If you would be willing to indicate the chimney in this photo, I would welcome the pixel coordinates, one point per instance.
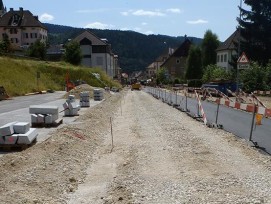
(11, 9)
(21, 9)
(36, 17)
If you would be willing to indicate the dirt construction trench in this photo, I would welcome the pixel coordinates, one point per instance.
(159, 156)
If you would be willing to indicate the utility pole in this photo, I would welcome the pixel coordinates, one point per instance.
(239, 49)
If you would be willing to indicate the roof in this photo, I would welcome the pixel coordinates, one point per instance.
(90, 36)
(181, 51)
(229, 43)
(20, 18)
(152, 65)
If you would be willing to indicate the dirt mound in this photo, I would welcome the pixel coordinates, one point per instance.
(84, 87)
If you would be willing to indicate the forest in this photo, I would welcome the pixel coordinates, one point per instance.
(135, 50)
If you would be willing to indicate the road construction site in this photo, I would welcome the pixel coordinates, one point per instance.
(224, 112)
(133, 148)
(21, 117)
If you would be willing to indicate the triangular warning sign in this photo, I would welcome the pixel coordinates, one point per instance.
(243, 59)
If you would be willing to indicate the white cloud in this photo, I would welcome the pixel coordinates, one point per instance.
(125, 13)
(124, 29)
(99, 25)
(144, 23)
(199, 21)
(174, 10)
(83, 11)
(46, 17)
(92, 10)
(149, 32)
(148, 13)
(137, 29)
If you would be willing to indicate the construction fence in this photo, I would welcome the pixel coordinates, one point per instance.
(244, 116)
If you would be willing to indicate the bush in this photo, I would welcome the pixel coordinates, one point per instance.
(213, 72)
(255, 78)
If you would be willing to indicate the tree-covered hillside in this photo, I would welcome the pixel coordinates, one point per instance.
(135, 50)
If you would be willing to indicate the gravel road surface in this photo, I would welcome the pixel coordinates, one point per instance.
(160, 156)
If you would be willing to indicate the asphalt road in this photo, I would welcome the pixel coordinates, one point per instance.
(17, 109)
(235, 121)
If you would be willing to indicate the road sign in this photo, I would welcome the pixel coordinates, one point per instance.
(243, 66)
(243, 59)
(243, 62)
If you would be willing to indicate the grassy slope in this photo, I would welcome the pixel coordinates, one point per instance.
(19, 76)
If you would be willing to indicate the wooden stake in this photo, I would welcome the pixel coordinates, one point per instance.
(112, 141)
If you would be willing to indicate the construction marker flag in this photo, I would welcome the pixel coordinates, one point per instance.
(259, 118)
(201, 109)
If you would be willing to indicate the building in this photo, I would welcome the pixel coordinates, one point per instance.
(97, 53)
(226, 51)
(21, 27)
(175, 64)
(152, 69)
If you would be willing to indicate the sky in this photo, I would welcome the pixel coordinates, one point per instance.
(166, 17)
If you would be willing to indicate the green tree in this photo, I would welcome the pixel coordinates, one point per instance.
(194, 66)
(161, 76)
(213, 72)
(73, 53)
(255, 25)
(37, 50)
(209, 45)
(268, 75)
(5, 45)
(254, 78)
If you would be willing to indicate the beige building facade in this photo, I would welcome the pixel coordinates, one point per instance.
(22, 28)
(97, 53)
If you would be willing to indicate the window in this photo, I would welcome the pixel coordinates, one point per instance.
(36, 35)
(13, 31)
(25, 35)
(15, 20)
(225, 58)
(217, 58)
(221, 58)
(14, 40)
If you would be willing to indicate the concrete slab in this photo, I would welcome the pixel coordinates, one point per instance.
(71, 97)
(71, 112)
(42, 109)
(84, 94)
(73, 106)
(48, 119)
(21, 127)
(2, 141)
(28, 137)
(7, 129)
(65, 105)
(84, 98)
(84, 104)
(41, 118)
(34, 118)
(12, 139)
